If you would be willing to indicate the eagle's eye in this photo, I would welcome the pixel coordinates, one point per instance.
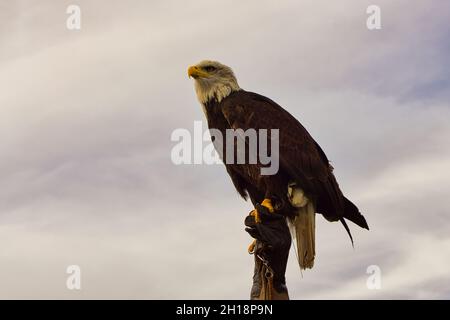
(209, 68)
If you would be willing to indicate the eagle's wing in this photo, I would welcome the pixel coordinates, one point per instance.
(300, 156)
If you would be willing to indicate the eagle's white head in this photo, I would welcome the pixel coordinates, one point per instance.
(213, 80)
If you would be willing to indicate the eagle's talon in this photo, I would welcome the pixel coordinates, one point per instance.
(268, 204)
(251, 247)
(255, 213)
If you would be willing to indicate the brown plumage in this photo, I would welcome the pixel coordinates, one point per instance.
(301, 159)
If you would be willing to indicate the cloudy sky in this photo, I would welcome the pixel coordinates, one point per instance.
(85, 123)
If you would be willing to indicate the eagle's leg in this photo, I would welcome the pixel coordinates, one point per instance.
(265, 203)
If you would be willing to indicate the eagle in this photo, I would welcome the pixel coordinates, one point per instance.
(304, 184)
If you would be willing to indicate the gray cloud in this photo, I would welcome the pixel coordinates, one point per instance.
(85, 124)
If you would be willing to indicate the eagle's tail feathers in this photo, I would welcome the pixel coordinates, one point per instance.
(348, 230)
(351, 212)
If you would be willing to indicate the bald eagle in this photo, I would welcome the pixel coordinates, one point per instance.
(304, 183)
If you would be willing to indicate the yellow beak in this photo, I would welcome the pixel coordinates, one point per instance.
(195, 72)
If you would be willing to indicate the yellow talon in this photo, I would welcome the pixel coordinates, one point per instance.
(268, 204)
(255, 213)
(251, 247)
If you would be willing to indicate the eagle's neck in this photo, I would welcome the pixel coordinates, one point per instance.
(217, 91)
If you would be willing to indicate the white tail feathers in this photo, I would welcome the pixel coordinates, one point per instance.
(303, 226)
